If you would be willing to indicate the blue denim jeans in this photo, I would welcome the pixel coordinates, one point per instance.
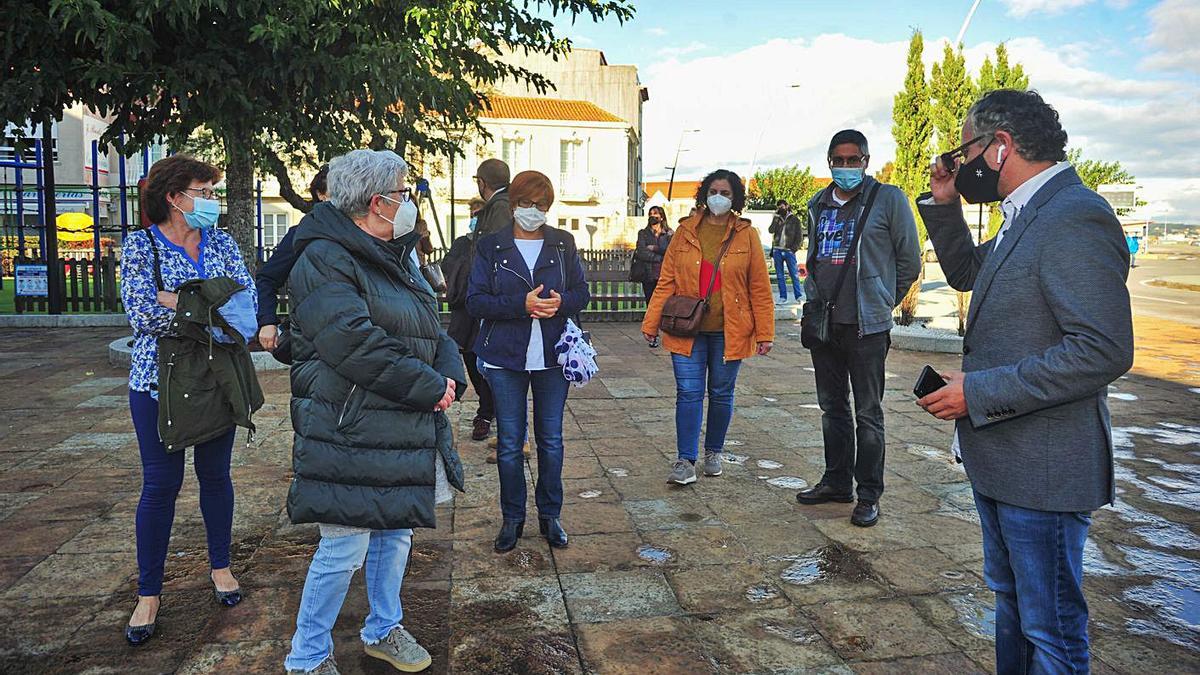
(511, 388)
(782, 256)
(336, 560)
(1033, 561)
(705, 369)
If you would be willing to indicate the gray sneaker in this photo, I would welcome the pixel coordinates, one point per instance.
(327, 667)
(712, 463)
(401, 650)
(683, 472)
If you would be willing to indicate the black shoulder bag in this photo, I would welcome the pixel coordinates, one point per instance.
(816, 320)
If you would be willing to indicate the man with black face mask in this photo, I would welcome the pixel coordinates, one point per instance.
(1049, 328)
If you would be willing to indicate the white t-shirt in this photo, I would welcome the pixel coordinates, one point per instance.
(535, 358)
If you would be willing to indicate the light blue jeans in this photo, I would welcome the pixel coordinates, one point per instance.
(329, 574)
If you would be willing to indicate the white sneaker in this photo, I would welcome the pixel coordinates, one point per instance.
(781, 301)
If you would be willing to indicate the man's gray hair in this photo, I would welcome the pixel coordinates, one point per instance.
(1033, 123)
(359, 175)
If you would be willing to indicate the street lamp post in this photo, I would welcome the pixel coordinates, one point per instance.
(675, 164)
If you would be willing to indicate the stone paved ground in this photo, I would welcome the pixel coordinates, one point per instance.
(729, 575)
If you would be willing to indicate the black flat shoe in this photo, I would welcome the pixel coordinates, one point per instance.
(821, 493)
(510, 532)
(226, 598)
(552, 530)
(865, 514)
(139, 635)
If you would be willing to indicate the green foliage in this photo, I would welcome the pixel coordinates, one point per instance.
(1095, 173)
(911, 124)
(287, 82)
(952, 93)
(792, 183)
(1000, 75)
(884, 175)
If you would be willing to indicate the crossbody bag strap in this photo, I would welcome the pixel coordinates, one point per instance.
(157, 265)
(858, 230)
(712, 282)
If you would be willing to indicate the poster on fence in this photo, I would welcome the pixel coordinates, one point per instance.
(31, 281)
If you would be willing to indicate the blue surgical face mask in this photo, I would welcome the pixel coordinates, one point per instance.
(474, 223)
(848, 179)
(204, 213)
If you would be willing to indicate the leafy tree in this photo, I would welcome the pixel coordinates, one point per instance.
(884, 175)
(1095, 173)
(284, 83)
(791, 183)
(952, 93)
(912, 128)
(1000, 75)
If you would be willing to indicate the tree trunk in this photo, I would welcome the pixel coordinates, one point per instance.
(908, 306)
(240, 216)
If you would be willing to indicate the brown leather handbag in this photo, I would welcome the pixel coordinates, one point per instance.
(681, 314)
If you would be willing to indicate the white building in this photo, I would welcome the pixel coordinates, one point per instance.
(584, 150)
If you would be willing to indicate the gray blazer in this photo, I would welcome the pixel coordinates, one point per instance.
(1049, 328)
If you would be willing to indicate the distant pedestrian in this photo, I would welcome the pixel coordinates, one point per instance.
(181, 245)
(1135, 245)
(652, 243)
(863, 256)
(786, 237)
(715, 256)
(463, 328)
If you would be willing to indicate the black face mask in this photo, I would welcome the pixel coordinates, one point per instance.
(654, 220)
(977, 182)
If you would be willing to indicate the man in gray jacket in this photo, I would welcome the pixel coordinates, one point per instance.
(886, 262)
(1049, 328)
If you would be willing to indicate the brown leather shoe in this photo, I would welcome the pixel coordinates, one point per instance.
(491, 459)
(482, 429)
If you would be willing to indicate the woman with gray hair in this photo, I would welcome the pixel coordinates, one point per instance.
(372, 376)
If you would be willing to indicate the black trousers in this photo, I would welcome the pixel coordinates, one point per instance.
(487, 405)
(852, 364)
(648, 288)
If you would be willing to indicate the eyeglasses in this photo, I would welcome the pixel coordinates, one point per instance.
(949, 160)
(206, 193)
(847, 162)
(527, 203)
(405, 194)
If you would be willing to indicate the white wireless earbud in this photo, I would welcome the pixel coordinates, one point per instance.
(1000, 151)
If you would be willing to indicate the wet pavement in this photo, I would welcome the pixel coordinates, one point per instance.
(728, 575)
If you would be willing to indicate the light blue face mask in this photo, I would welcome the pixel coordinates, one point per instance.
(848, 179)
(474, 223)
(204, 213)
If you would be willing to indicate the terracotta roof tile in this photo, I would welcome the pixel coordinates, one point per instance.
(528, 108)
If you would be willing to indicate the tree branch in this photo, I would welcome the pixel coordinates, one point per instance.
(286, 189)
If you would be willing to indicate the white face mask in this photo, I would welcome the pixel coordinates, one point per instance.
(405, 220)
(719, 204)
(529, 218)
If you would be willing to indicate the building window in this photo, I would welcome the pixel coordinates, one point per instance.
(508, 152)
(275, 226)
(568, 159)
(575, 224)
(30, 133)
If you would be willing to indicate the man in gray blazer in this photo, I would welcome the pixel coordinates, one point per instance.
(1049, 328)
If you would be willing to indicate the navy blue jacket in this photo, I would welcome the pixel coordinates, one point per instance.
(500, 280)
(272, 276)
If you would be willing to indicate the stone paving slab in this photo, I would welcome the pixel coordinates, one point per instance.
(729, 575)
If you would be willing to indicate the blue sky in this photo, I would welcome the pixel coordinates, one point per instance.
(1124, 74)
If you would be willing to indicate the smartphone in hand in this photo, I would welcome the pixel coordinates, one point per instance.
(928, 382)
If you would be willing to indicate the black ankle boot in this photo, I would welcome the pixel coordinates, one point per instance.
(510, 532)
(553, 532)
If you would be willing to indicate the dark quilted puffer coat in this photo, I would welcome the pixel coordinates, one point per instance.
(370, 362)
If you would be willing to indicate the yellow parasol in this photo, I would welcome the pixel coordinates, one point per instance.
(74, 226)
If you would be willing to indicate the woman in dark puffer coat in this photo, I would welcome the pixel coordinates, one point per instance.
(372, 375)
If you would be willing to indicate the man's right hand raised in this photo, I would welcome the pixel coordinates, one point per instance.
(941, 184)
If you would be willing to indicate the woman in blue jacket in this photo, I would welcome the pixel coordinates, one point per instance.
(525, 283)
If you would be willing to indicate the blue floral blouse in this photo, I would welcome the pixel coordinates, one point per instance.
(219, 257)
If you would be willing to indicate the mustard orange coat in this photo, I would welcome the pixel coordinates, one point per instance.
(745, 288)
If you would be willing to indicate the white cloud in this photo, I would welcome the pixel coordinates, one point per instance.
(656, 31)
(1175, 25)
(1021, 8)
(738, 98)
